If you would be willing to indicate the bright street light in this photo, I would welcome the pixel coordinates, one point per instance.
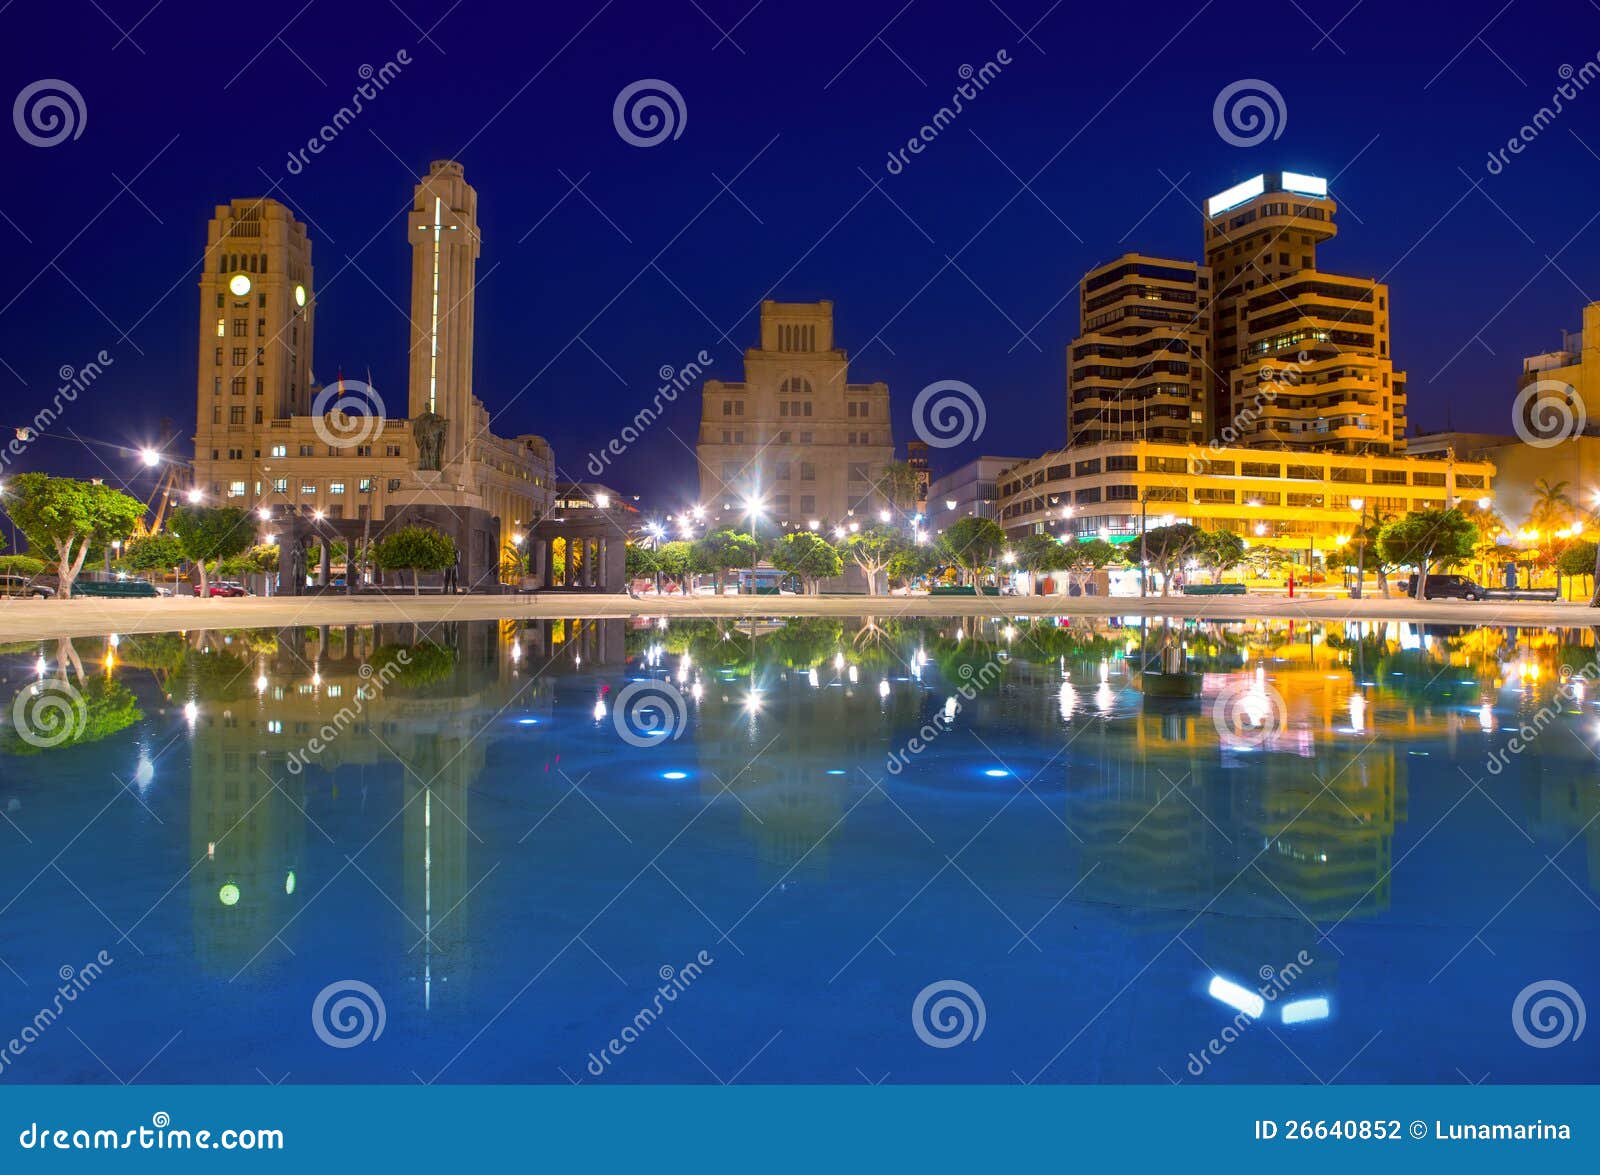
(194, 495)
(150, 457)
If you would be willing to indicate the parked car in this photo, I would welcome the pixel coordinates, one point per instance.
(1446, 587)
(224, 587)
(21, 585)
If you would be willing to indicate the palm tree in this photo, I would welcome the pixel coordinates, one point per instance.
(1552, 506)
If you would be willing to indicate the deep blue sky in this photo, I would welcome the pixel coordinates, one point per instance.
(1099, 109)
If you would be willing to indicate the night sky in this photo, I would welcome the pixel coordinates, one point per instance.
(949, 270)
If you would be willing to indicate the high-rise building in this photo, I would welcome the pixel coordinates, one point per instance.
(1302, 356)
(795, 437)
(1141, 369)
(340, 462)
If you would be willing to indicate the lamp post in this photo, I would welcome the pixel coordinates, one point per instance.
(1359, 505)
(1144, 570)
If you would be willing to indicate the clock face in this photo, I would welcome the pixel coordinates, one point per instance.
(239, 284)
(299, 295)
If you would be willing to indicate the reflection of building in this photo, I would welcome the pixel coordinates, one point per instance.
(1141, 369)
(263, 434)
(794, 434)
(1274, 498)
(417, 725)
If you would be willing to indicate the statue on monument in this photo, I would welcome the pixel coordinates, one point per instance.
(429, 431)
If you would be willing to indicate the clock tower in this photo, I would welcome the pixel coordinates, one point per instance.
(255, 333)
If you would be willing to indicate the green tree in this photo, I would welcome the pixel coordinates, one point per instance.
(809, 556)
(210, 534)
(25, 565)
(872, 549)
(64, 517)
(974, 545)
(1086, 558)
(1426, 539)
(415, 549)
(726, 550)
(151, 553)
(676, 561)
(640, 561)
(899, 484)
(913, 561)
(1220, 551)
(1576, 559)
(1041, 554)
(1167, 548)
(261, 559)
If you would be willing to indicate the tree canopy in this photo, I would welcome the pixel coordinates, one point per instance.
(210, 534)
(1426, 539)
(809, 556)
(415, 549)
(724, 550)
(872, 549)
(973, 544)
(64, 517)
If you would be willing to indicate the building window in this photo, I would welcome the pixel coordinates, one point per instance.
(216, 385)
(808, 471)
(261, 327)
(805, 438)
(308, 489)
(280, 485)
(218, 358)
(279, 450)
(219, 302)
(236, 414)
(306, 450)
(808, 504)
(364, 485)
(237, 386)
(781, 471)
(261, 385)
(363, 450)
(394, 484)
(239, 356)
(216, 414)
(239, 327)
(391, 450)
(221, 329)
(236, 489)
(336, 487)
(858, 471)
(795, 385)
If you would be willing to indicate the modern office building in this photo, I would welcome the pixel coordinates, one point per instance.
(1141, 369)
(1296, 501)
(267, 438)
(795, 439)
(972, 491)
(1302, 356)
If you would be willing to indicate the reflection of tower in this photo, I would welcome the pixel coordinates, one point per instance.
(444, 257)
(249, 843)
(436, 851)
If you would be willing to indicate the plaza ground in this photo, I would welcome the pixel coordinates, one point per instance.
(26, 619)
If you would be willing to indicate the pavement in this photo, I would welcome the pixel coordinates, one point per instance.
(27, 619)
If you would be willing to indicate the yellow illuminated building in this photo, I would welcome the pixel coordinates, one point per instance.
(1288, 500)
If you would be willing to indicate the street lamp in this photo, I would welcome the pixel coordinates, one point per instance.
(150, 457)
(1359, 505)
(194, 495)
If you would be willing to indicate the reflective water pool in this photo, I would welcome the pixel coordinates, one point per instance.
(623, 851)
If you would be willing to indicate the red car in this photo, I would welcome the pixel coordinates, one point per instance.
(223, 587)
